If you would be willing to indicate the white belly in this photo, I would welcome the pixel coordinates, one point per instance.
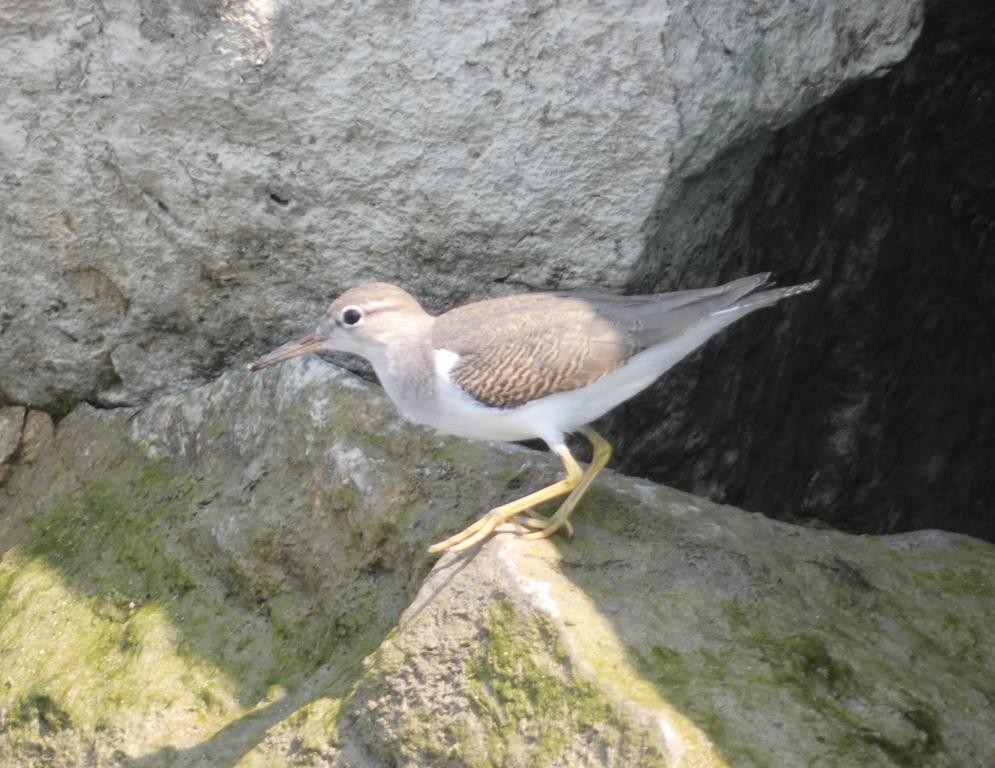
(452, 411)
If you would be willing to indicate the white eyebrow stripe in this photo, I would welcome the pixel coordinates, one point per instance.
(373, 306)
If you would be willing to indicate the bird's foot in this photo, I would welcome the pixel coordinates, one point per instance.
(549, 527)
(544, 526)
(475, 532)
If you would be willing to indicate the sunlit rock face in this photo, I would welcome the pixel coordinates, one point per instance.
(237, 575)
(868, 405)
(185, 184)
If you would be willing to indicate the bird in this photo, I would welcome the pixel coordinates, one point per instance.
(539, 365)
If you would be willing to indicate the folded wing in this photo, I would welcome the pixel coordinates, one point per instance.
(520, 348)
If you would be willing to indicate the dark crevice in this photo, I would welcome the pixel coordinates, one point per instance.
(870, 404)
(279, 199)
(103, 405)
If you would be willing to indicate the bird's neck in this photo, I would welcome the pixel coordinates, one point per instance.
(405, 364)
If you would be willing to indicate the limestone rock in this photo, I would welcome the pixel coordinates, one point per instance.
(735, 640)
(185, 183)
(236, 575)
(37, 434)
(11, 423)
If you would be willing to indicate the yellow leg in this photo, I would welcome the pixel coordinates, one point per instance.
(602, 452)
(486, 525)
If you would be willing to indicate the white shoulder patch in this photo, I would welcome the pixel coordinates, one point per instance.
(445, 361)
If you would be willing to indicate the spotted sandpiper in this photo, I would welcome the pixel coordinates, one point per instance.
(536, 365)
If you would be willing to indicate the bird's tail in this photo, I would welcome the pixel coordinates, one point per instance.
(764, 296)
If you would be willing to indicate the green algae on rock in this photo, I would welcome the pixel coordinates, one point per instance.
(190, 585)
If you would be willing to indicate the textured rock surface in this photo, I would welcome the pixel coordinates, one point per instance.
(868, 405)
(11, 424)
(785, 646)
(176, 570)
(183, 183)
(218, 579)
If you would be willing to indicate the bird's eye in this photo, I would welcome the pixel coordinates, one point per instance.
(351, 315)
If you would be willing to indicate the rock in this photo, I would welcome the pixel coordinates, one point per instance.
(11, 423)
(186, 184)
(209, 563)
(867, 405)
(37, 434)
(502, 660)
(236, 575)
(733, 639)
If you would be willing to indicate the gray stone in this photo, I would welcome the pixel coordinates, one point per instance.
(236, 575)
(38, 432)
(185, 184)
(11, 423)
(735, 640)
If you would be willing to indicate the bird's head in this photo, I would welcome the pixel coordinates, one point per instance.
(364, 320)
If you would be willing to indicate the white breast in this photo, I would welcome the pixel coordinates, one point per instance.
(548, 418)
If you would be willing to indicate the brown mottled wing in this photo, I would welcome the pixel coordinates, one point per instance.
(520, 348)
